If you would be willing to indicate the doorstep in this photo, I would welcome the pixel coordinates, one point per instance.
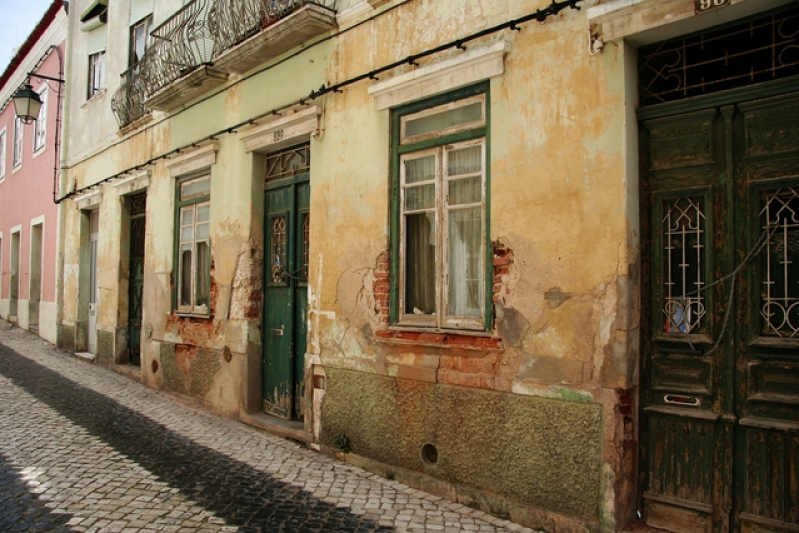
(85, 356)
(292, 429)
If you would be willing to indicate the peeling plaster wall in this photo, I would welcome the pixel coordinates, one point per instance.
(210, 358)
(564, 225)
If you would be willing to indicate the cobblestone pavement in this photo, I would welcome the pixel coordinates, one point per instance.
(84, 449)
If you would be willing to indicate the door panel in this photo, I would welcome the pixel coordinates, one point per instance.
(94, 225)
(138, 207)
(720, 361)
(285, 296)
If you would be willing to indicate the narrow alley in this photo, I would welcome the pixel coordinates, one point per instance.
(85, 449)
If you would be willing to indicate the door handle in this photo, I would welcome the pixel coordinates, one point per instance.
(278, 332)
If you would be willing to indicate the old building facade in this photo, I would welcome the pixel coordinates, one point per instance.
(483, 247)
(29, 174)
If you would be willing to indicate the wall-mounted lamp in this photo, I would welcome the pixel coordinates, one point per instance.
(27, 103)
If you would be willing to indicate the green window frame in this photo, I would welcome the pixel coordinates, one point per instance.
(440, 268)
(193, 245)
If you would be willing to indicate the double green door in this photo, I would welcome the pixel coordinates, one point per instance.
(287, 223)
(720, 318)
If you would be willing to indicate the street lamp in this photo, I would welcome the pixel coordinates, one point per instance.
(27, 103)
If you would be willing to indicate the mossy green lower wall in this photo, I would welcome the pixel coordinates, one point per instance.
(537, 451)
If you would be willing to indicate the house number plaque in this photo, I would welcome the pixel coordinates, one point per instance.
(700, 6)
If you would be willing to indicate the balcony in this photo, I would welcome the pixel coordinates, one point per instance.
(128, 102)
(198, 47)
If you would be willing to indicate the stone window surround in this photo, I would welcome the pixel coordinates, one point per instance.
(283, 131)
(472, 66)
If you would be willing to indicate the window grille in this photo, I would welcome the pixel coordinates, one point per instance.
(780, 269)
(683, 261)
(762, 49)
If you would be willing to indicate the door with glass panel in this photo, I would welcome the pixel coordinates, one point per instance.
(94, 234)
(720, 350)
(286, 245)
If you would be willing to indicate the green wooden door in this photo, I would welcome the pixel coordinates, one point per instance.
(720, 316)
(285, 295)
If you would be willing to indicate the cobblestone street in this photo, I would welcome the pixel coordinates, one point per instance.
(84, 449)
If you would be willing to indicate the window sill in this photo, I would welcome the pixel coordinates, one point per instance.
(39, 151)
(185, 314)
(93, 98)
(477, 341)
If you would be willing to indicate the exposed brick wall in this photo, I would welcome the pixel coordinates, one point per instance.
(382, 287)
(503, 258)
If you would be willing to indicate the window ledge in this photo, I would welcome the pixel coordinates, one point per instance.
(472, 341)
(93, 98)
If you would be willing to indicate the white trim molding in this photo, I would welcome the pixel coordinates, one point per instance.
(133, 183)
(281, 132)
(465, 69)
(197, 159)
(90, 199)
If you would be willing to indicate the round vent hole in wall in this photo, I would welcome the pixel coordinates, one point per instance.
(429, 454)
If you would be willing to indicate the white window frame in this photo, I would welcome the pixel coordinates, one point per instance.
(40, 124)
(192, 204)
(3, 153)
(96, 72)
(441, 208)
(18, 142)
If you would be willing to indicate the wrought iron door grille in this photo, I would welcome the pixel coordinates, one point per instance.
(683, 260)
(291, 161)
(762, 49)
(278, 249)
(306, 244)
(780, 296)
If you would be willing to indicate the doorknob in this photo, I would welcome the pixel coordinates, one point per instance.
(278, 331)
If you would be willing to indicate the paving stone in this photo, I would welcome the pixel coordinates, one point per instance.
(85, 449)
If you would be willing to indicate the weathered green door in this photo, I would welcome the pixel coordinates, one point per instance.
(285, 294)
(720, 319)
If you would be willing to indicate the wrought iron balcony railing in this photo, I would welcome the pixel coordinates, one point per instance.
(233, 21)
(196, 35)
(179, 45)
(128, 102)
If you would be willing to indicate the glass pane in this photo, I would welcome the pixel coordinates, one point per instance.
(198, 187)
(465, 264)
(420, 264)
(203, 212)
(683, 261)
(187, 234)
(187, 216)
(447, 118)
(465, 160)
(422, 197)
(465, 191)
(202, 231)
(203, 278)
(185, 278)
(780, 264)
(421, 169)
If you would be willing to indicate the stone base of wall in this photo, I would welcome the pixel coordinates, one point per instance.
(493, 504)
(542, 453)
(66, 337)
(105, 347)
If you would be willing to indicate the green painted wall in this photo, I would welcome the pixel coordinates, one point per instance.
(542, 452)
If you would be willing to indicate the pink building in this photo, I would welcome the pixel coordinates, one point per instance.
(29, 168)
